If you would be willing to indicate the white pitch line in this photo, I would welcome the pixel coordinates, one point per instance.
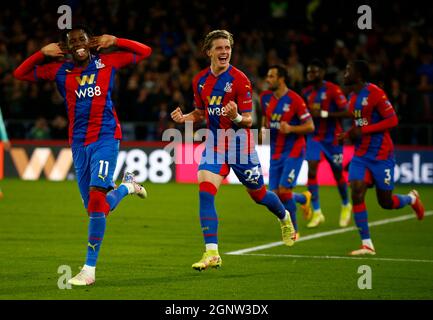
(335, 257)
(327, 233)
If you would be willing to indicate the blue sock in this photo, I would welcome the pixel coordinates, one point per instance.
(361, 220)
(400, 201)
(314, 189)
(208, 215)
(289, 203)
(115, 196)
(299, 198)
(342, 188)
(270, 200)
(97, 223)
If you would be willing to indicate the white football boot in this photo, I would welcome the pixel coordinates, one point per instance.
(133, 186)
(85, 277)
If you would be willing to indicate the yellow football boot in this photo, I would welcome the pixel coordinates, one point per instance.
(210, 259)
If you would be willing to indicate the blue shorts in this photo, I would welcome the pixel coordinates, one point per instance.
(379, 172)
(94, 166)
(333, 153)
(249, 171)
(284, 172)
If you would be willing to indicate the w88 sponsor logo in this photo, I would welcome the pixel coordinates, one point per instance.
(275, 125)
(154, 166)
(89, 92)
(87, 79)
(217, 111)
(361, 122)
(55, 163)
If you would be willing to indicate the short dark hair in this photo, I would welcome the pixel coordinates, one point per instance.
(362, 67)
(317, 63)
(64, 35)
(281, 71)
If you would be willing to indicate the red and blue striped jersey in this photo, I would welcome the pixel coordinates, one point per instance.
(370, 106)
(211, 94)
(292, 109)
(87, 91)
(328, 98)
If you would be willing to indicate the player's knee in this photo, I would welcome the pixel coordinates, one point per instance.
(103, 190)
(98, 202)
(312, 175)
(357, 195)
(312, 172)
(208, 187)
(385, 203)
(285, 194)
(258, 195)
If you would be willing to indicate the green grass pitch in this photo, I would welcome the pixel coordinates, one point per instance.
(150, 244)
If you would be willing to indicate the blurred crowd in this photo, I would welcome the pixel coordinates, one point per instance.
(399, 48)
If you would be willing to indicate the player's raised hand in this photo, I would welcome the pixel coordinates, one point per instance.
(231, 110)
(102, 42)
(285, 127)
(53, 50)
(177, 116)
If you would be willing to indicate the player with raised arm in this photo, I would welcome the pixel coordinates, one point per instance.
(328, 106)
(223, 95)
(286, 115)
(86, 83)
(373, 162)
(4, 140)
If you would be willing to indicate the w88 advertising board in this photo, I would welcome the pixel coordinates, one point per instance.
(154, 162)
(52, 160)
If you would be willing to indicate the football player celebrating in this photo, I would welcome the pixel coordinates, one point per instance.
(373, 162)
(86, 83)
(223, 94)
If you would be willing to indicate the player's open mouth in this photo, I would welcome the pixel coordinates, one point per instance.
(81, 52)
(223, 59)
